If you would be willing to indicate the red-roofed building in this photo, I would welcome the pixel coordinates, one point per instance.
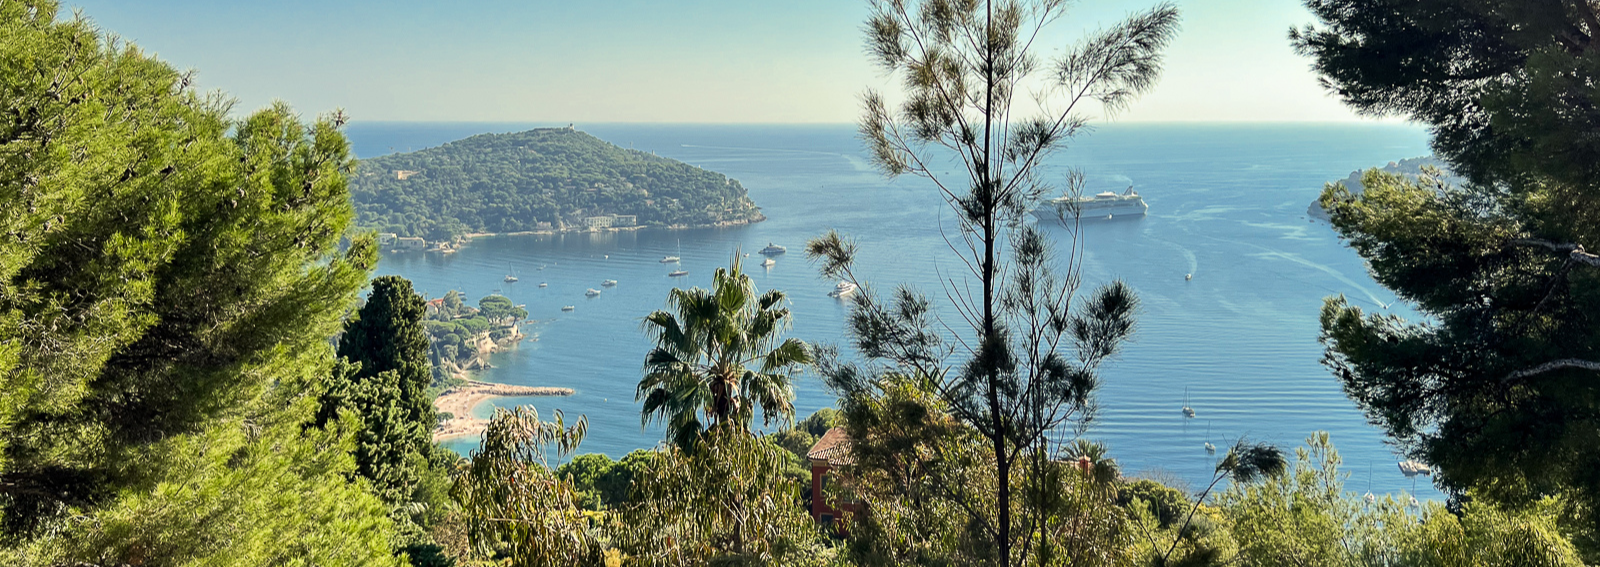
(831, 451)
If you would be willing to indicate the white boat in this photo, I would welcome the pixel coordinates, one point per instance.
(773, 250)
(609, 283)
(769, 262)
(511, 279)
(1100, 206)
(670, 260)
(844, 288)
(592, 292)
(568, 308)
(544, 284)
(678, 273)
(1413, 468)
(1187, 411)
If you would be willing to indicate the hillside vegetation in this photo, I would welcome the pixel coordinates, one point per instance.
(515, 182)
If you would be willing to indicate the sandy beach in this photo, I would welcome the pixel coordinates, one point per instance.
(460, 401)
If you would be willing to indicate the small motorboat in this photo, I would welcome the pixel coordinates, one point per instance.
(769, 262)
(544, 284)
(568, 308)
(609, 283)
(1413, 468)
(592, 292)
(670, 260)
(678, 273)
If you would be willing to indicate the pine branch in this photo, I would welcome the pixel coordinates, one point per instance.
(1550, 366)
(1574, 251)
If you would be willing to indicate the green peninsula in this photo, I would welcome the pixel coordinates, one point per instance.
(546, 179)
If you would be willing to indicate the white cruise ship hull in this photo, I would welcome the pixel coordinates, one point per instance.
(1092, 211)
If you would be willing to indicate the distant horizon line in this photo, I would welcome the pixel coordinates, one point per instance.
(579, 124)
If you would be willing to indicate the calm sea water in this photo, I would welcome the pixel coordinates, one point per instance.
(1227, 204)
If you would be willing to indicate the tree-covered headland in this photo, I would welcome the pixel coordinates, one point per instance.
(461, 337)
(548, 179)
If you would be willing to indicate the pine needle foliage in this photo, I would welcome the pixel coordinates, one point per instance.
(1496, 386)
(169, 277)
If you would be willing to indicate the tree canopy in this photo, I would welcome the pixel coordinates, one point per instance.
(1497, 387)
(169, 277)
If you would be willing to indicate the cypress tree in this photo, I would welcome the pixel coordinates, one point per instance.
(384, 380)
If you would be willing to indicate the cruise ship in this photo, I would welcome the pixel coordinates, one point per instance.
(1101, 206)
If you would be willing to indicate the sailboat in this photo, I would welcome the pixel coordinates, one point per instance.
(674, 259)
(1369, 497)
(511, 277)
(1188, 412)
(1210, 449)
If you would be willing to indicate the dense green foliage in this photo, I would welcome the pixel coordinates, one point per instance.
(385, 382)
(1307, 518)
(720, 353)
(515, 506)
(168, 282)
(512, 182)
(1497, 387)
(604, 482)
(726, 501)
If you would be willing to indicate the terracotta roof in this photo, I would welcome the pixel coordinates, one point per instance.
(833, 447)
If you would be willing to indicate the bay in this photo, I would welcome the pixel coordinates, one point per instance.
(1227, 205)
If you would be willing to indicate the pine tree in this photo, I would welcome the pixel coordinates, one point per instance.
(1497, 387)
(964, 64)
(169, 277)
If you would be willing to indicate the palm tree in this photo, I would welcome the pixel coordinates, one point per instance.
(720, 352)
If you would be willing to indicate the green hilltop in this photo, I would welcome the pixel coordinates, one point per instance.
(546, 179)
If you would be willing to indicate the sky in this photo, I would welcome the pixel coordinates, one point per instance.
(641, 61)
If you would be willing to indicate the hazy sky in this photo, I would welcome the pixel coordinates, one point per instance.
(653, 61)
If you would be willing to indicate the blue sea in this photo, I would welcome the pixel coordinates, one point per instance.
(1227, 205)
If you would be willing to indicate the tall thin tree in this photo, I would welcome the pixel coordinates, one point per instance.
(964, 65)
